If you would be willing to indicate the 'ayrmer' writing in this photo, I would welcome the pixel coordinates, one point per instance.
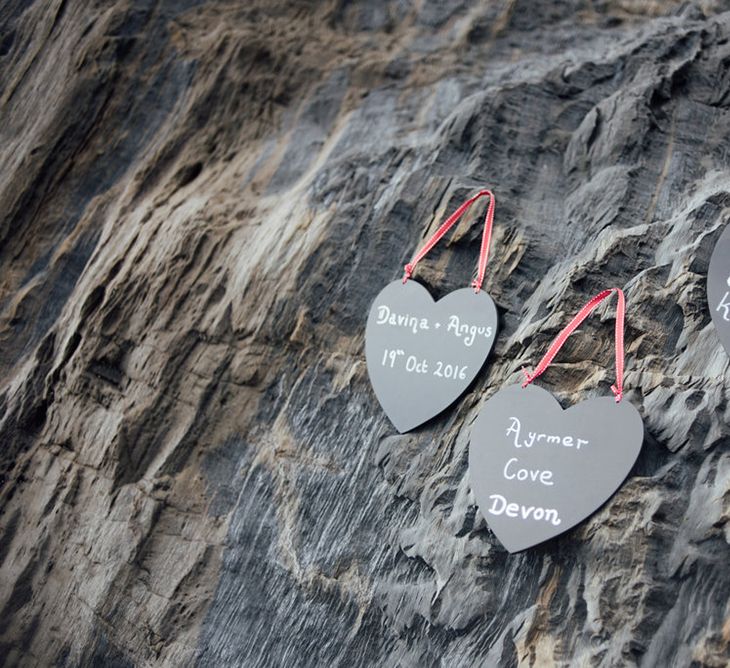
(535, 438)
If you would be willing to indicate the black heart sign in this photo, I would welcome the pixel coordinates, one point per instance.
(421, 355)
(537, 470)
(718, 288)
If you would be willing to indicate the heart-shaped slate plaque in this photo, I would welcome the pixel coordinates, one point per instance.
(537, 470)
(422, 355)
(718, 288)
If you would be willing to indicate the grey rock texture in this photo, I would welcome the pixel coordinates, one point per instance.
(198, 202)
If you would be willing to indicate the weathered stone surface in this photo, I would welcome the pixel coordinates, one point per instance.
(199, 201)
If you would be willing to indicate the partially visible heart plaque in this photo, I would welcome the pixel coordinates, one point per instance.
(422, 355)
(718, 288)
(537, 470)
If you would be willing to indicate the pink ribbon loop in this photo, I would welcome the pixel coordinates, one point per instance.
(561, 338)
(446, 226)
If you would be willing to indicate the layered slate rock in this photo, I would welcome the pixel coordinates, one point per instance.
(200, 201)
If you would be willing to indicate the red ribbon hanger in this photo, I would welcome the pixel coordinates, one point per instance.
(561, 338)
(446, 226)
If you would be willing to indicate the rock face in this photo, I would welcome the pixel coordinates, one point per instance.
(200, 201)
